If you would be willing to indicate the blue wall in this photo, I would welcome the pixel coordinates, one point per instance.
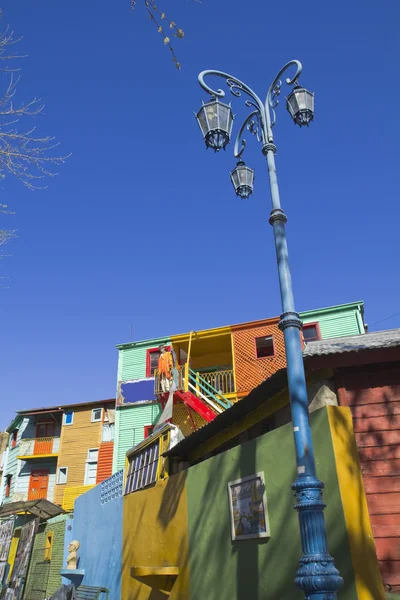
(97, 526)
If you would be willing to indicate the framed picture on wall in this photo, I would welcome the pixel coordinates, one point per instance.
(248, 508)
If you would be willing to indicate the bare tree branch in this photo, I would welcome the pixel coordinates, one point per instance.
(25, 155)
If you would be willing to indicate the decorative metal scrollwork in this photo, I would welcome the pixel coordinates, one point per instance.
(263, 117)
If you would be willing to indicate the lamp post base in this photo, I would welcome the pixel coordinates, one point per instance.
(317, 575)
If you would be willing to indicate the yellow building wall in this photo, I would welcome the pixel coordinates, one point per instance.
(75, 441)
(13, 550)
(155, 535)
(361, 540)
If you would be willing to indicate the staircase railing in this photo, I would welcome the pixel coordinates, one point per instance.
(187, 380)
(205, 390)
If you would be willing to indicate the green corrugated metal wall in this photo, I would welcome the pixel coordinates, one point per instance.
(132, 361)
(129, 429)
(337, 323)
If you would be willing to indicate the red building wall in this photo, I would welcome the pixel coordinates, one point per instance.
(104, 465)
(373, 394)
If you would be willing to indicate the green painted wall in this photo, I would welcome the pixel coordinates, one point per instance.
(337, 321)
(44, 576)
(132, 358)
(129, 429)
(258, 569)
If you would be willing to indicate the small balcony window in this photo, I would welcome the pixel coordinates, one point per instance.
(311, 332)
(265, 346)
(45, 430)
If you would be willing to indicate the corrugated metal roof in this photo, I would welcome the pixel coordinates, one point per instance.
(356, 343)
(40, 508)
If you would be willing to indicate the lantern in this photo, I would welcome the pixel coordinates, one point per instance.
(300, 104)
(242, 178)
(215, 120)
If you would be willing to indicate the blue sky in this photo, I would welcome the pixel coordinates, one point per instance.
(142, 227)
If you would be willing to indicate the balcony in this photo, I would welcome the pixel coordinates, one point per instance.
(222, 381)
(46, 447)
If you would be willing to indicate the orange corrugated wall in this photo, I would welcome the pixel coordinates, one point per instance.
(104, 465)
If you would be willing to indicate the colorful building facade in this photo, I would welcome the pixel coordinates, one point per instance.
(217, 368)
(57, 453)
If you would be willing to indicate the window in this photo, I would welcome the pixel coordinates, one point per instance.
(62, 475)
(147, 465)
(265, 346)
(148, 430)
(152, 360)
(97, 415)
(48, 547)
(68, 418)
(143, 468)
(8, 486)
(108, 432)
(14, 438)
(45, 430)
(311, 332)
(91, 466)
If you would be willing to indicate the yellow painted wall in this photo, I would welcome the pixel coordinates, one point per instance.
(361, 541)
(155, 535)
(13, 549)
(76, 440)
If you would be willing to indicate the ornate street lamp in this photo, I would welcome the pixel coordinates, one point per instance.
(316, 575)
(300, 104)
(215, 120)
(242, 178)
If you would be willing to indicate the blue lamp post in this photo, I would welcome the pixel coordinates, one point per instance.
(316, 574)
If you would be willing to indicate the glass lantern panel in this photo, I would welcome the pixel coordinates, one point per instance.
(243, 175)
(301, 96)
(202, 120)
(292, 104)
(310, 101)
(223, 114)
(212, 115)
(235, 178)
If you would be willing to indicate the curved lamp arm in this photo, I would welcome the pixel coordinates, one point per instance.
(251, 124)
(272, 101)
(265, 112)
(236, 88)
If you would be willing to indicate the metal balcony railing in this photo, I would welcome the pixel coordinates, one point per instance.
(222, 381)
(179, 382)
(39, 446)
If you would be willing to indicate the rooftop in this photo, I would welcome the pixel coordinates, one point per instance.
(303, 314)
(278, 381)
(354, 343)
(58, 408)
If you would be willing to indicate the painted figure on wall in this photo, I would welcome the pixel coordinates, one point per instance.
(165, 366)
(72, 557)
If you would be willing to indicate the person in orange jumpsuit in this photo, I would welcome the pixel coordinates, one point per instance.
(165, 365)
